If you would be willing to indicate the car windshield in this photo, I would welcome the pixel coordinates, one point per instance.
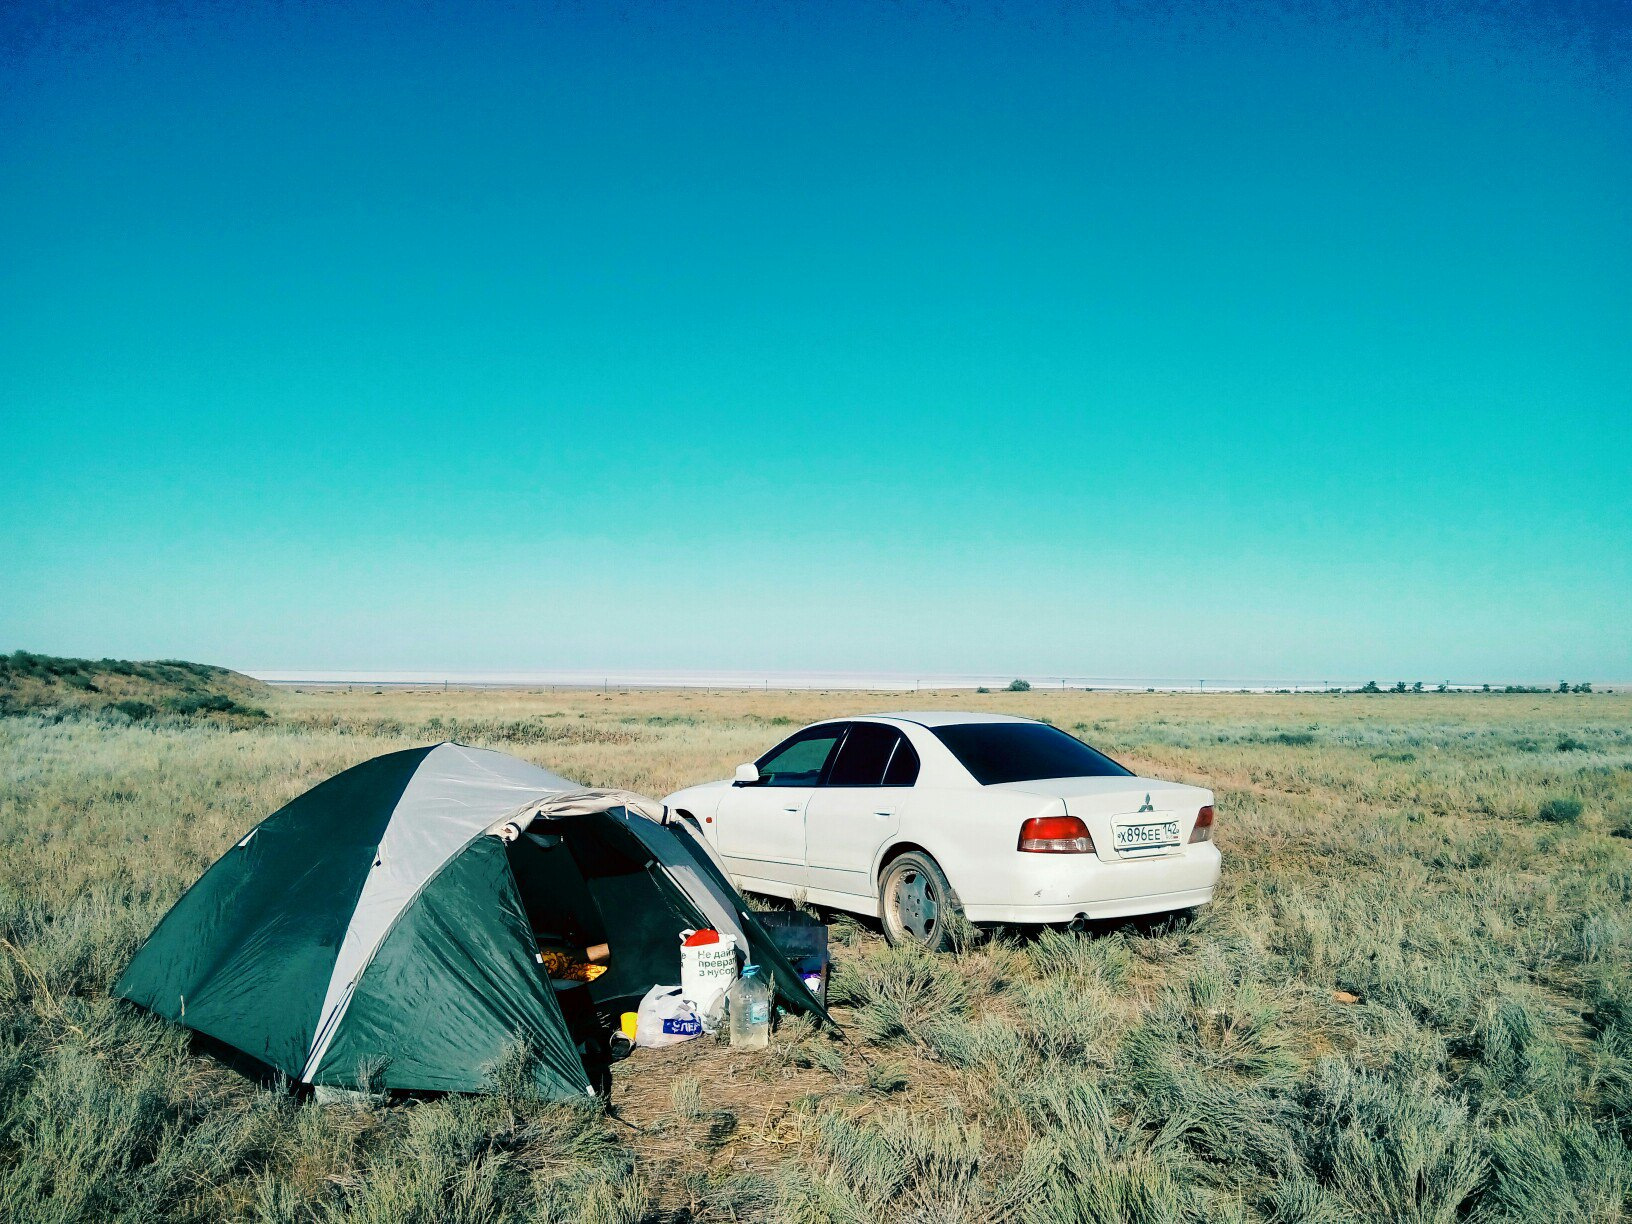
(1023, 752)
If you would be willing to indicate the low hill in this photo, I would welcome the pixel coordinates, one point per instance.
(137, 689)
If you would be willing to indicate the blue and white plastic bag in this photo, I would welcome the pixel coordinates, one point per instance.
(665, 1018)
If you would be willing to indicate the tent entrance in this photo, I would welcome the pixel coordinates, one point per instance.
(582, 881)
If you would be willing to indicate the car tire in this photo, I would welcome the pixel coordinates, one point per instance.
(916, 901)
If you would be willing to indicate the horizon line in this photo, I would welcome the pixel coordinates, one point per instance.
(848, 681)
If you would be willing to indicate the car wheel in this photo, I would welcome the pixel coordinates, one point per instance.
(915, 902)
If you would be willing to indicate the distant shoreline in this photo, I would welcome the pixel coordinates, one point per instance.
(804, 681)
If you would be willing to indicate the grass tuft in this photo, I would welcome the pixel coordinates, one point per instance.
(1561, 810)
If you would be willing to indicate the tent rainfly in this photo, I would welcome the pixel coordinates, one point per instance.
(385, 928)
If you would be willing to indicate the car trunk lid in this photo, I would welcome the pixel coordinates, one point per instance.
(1128, 818)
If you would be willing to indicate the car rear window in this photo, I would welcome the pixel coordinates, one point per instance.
(1024, 752)
(903, 770)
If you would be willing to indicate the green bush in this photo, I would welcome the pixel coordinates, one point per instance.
(136, 711)
(1561, 810)
(1394, 1150)
(1019, 686)
(210, 703)
(898, 992)
(201, 703)
(1547, 1168)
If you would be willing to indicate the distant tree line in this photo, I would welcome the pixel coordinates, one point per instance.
(1400, 686)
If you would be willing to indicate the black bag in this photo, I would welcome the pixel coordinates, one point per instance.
(803, 940)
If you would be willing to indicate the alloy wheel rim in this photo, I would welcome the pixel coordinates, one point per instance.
(913, 904)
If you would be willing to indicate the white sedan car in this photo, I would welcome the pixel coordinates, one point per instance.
(905, 817)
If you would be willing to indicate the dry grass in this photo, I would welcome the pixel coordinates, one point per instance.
(1392, 848)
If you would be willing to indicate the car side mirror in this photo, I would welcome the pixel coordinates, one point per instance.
(747, 775)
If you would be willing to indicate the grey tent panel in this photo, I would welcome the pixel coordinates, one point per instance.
(456, 793)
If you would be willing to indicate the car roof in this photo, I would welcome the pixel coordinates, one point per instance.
(947, 718)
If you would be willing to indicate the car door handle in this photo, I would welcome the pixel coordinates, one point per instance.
(883, 811)
(794, 808)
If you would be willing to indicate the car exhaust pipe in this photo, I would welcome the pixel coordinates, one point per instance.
(1078, 924)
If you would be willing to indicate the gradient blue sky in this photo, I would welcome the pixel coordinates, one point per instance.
(896, 337)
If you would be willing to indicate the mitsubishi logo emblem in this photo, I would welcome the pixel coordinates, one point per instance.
(1147, 807)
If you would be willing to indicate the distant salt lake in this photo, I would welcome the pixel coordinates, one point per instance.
(775, 681)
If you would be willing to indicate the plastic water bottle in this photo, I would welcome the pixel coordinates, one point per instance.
(750, 997)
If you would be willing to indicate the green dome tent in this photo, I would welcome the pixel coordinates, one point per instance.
(386, 927)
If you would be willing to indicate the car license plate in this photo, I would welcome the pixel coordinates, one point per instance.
(1146, 836)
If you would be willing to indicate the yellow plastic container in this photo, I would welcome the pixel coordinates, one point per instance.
(627, 1023)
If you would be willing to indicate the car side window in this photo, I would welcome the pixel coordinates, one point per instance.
(903, 767)
(864, 755)
(799, 760)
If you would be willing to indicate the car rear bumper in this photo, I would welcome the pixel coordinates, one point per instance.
(1060, 887)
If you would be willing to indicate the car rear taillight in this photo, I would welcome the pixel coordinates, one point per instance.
(1055, 835)
(1204, 825)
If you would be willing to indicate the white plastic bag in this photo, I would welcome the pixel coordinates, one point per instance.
(666, 1018)
(707, 969)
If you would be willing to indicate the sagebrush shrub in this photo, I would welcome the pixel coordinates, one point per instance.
(1560, 810)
